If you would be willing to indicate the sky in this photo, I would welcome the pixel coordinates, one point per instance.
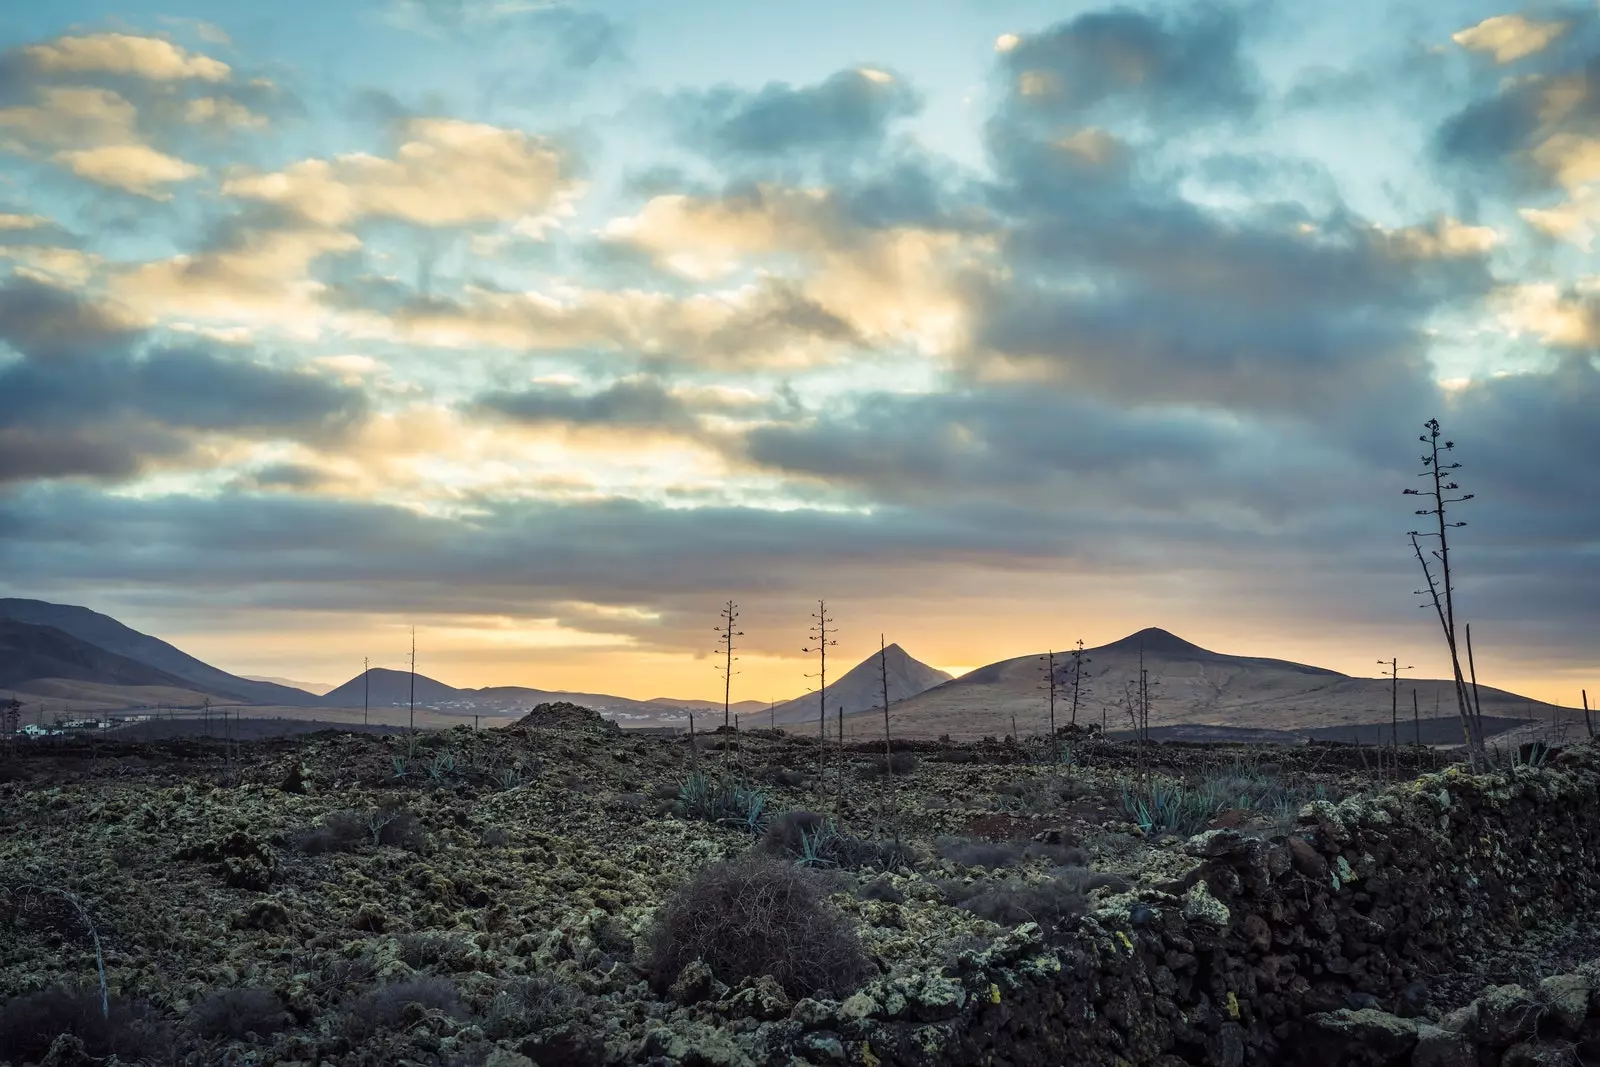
(548, 327)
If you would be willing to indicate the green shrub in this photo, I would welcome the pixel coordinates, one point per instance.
(723, 801)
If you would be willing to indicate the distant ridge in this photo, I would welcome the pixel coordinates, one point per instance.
(102, 631)
(29, 653)
(1191, 686)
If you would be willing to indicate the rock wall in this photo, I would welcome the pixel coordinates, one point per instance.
(1265, 945)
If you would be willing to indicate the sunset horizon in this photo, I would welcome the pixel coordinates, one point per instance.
(548, 328)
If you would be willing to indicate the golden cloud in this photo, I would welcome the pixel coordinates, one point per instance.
(150, 58)
(220, 110)
(52, 266)
(1574, 220)
(884, 284)
(73, 116)
(133, 168)
(446, 173)
(1444, 238)
(1509, 37)
(261, 278)
(1563, 319)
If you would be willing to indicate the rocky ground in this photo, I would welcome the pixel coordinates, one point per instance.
(507, 897)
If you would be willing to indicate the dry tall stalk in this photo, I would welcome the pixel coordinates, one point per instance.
(820, 643)
(725, 634)
(1444, 598)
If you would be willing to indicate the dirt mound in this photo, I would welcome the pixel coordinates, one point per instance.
(563, 715)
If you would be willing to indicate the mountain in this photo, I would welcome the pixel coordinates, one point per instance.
(31, 653)
(107, 633)
(314, 688)
(1188, 684)
(389, 689)
(861, 687)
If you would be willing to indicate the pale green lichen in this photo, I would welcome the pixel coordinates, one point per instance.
(1200, 906)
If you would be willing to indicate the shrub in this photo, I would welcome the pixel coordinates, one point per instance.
(495, 837)
(526, 1005)
(398, 827)
(753, 916)
(883, 890)
(722, 801)
(30, 1024)
(993, 855)
(782, 776)
(339, 831)
(421, 951)
(1051, 903)
(896, 762)
(1186, 807)
(814, 840)
(385, 1007)
(234, 1013)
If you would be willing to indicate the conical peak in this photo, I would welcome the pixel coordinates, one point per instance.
(1154, 640)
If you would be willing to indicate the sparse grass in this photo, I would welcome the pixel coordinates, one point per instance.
(385, 1007)
(130, 1030)
(526, 1005)
(995, 855)
(233, 1014)
(752, 916)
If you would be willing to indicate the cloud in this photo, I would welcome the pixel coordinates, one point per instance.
(1176, 68)
(1536, 131)
(849, 110)
(67, 116)
(634, 404)
(133, 168)
(1574, 220)
(573, 38)
(445, 172)
(150, 58)
(1509, 37)
(769, 324)
(95, 395)
(1560, 317)
(253, 276)
(47, 324)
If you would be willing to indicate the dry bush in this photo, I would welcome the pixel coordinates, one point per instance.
(896, 762)
(339, 831)
(235, 1013)
(31, 1022)
(1051, 903)
(881, 889)
(527, 1005)
(781, 776)
(421, 951)
(786, 834)
(994, 855)
(752, 916)
(386, 1007)
(398, 827)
